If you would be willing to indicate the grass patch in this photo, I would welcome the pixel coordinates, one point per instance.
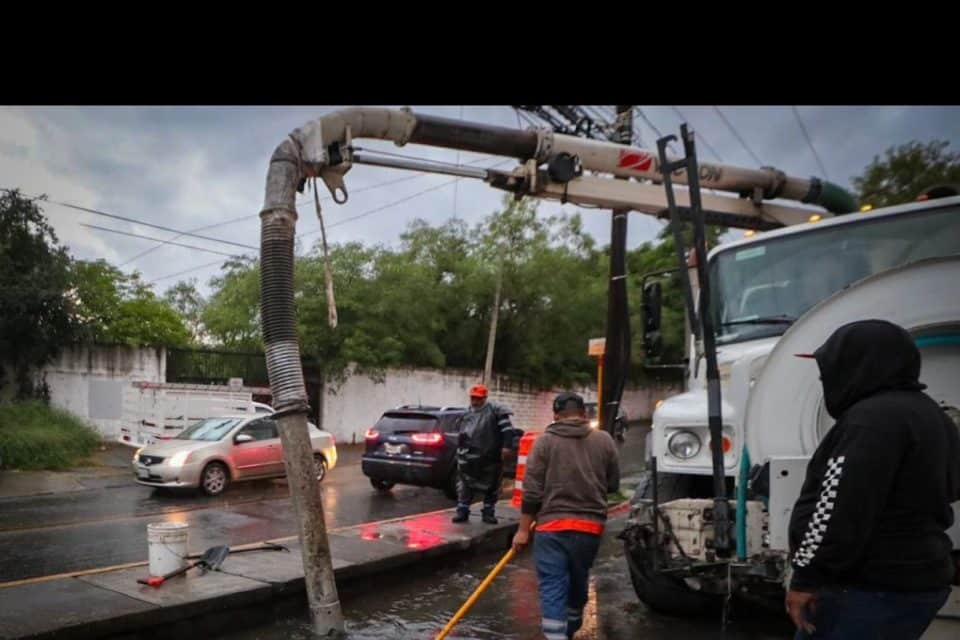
(35, 436)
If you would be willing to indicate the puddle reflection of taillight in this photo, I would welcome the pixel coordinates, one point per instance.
(427, 438)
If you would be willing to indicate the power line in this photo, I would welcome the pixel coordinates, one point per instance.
(186, 271)
(650, 124)
(381, 208)
(396, 202)
(257, 215)
(160, 243)
(339, 222)
(149, 224)
(641, 114)
(806, 135)
(699, 135)
(137, 235)
(737, 135)
(527, 119)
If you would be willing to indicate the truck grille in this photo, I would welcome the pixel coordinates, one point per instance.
(149, 460)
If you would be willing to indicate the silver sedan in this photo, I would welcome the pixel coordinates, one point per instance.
(217, 451)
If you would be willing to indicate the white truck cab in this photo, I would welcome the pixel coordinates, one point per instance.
(774, 295)
(764, 285)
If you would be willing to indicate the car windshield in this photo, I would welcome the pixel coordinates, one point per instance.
(209, 430)
(758, 290)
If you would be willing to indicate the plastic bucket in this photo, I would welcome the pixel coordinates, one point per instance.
(167, 543)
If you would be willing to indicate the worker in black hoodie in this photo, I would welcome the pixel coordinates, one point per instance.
(869, 554)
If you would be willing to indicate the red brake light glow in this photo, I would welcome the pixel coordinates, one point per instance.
(427, 438)
(372, 434)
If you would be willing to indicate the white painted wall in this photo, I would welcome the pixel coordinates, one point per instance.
(358, 403)
(89, 381)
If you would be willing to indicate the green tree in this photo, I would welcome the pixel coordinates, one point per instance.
(186, 300)
(553, 295)
(36, 318)
(904, 172)
(231, 315)
(116, 308)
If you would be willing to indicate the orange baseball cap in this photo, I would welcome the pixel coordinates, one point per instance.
(478, 391)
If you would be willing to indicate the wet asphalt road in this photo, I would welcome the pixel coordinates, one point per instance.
(106, 525)
(52, 534)
(416, 605)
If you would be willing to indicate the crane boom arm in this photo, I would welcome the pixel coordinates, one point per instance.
(326, 147)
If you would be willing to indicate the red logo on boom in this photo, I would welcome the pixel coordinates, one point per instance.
(636, 161)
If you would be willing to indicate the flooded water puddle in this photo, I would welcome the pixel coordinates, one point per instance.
(414, 604)
(417, 605)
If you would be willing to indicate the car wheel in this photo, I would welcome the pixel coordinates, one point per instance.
(320, 465)
(214, 479)
(381, 485)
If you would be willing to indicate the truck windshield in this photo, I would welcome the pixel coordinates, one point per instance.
(759, 289)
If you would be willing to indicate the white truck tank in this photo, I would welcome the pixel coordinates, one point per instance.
(785, 417)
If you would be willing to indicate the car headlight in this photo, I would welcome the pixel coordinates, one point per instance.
(179, 458)
(594, 424)
(683, 444)
(136, 454)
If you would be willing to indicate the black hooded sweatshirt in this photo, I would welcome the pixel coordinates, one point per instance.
(875, 503)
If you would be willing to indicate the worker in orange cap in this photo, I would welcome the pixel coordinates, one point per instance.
(486, 438)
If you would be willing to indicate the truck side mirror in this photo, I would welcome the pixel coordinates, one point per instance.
(652, 310)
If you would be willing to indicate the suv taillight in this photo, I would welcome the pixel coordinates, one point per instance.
(427, 438)
(372, 434)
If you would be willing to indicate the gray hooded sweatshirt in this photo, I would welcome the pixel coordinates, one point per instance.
(570, 470)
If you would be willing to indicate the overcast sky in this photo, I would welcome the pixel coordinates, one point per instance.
(190, 167)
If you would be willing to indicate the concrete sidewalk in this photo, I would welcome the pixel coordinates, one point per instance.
(250, 589)
(109, 603)
(110, 467)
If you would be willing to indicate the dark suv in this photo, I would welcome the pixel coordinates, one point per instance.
(414, 445)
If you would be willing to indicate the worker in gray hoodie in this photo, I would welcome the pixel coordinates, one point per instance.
(570, 470)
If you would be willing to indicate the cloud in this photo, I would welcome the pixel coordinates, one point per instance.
(189, 167)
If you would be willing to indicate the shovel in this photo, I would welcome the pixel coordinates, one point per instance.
(211, 560)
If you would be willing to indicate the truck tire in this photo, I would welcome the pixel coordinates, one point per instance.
(662, 593)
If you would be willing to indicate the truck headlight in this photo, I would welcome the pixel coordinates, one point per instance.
(179, 458)
(683, 444)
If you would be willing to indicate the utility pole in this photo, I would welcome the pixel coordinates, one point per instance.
(617, 352)
(494, 318)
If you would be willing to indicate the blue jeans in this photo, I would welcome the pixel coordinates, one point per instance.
(563, 560)
(852, 614)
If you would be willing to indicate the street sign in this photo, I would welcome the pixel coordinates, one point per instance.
(596, 346)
